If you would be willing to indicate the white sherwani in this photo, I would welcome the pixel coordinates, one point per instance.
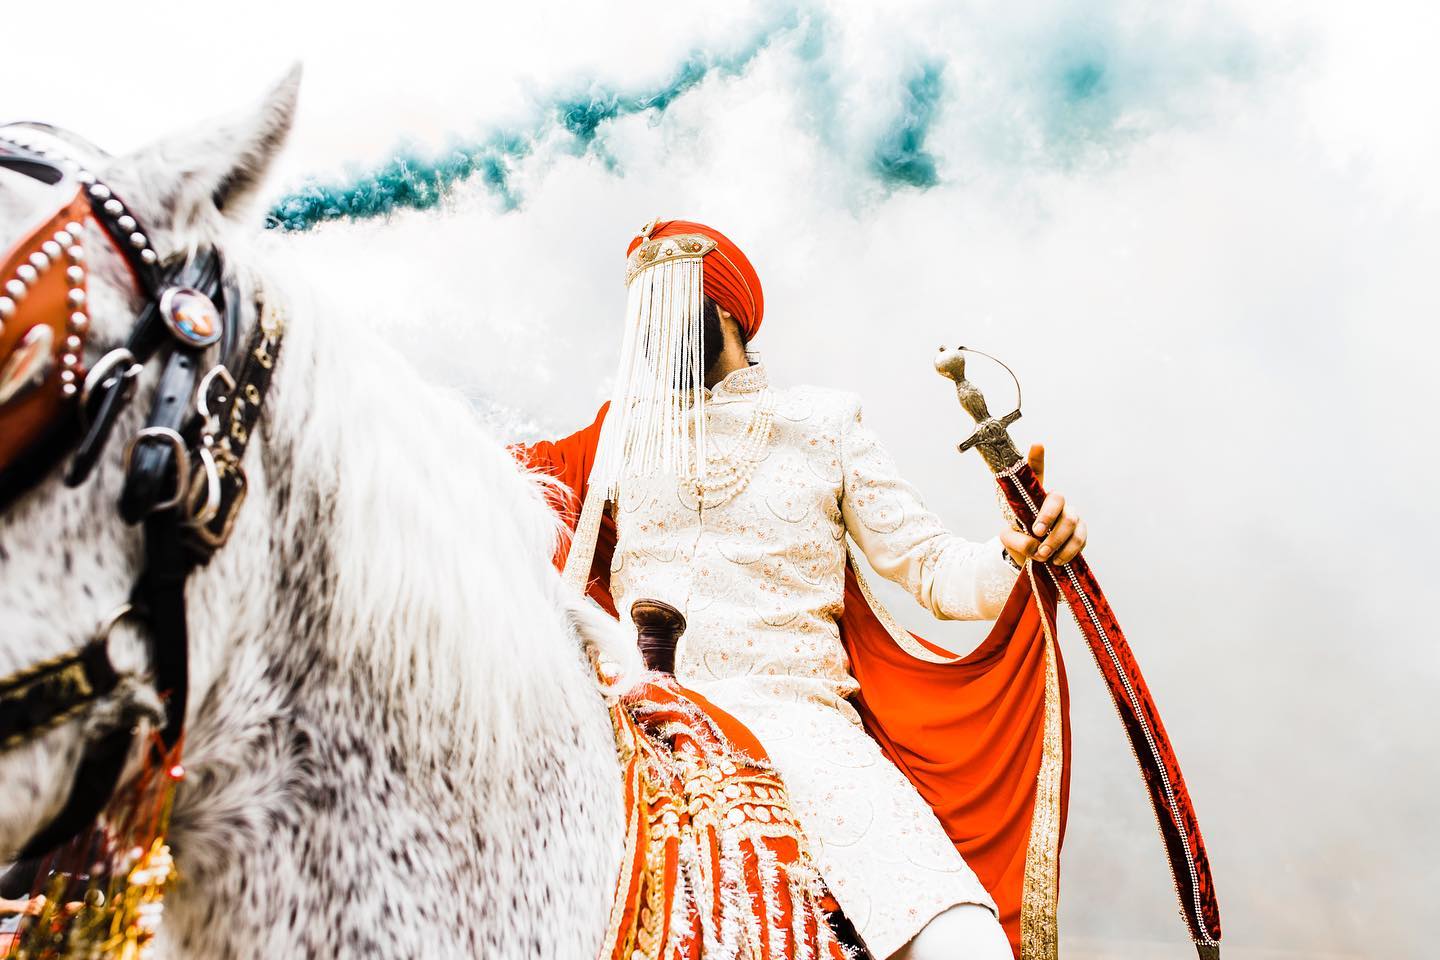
(761, 582)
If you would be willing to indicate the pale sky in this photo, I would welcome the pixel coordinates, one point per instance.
(1204, 235)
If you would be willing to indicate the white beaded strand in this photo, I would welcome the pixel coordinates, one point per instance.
(727, 475)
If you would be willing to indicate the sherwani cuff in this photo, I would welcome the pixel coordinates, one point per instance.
(994, 578)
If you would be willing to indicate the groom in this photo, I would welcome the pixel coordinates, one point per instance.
(704, 485)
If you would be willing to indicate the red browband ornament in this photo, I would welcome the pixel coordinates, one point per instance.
(44, 325)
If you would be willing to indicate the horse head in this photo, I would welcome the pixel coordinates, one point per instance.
(90, 244)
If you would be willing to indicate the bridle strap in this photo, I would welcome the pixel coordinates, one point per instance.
(34, 167)
(49, 693)
(94, 784)
(100, 415)
(236, 421)
(155, 472)
(159, 595)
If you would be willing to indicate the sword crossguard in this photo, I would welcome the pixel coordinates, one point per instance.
(991, 437)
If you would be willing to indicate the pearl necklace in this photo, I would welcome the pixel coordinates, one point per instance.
(727, 475)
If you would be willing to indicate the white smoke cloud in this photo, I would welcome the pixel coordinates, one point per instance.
(1202, 235)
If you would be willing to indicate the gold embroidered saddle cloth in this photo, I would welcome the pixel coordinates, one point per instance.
(715, 863)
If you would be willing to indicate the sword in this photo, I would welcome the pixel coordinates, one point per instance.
(1174, 812)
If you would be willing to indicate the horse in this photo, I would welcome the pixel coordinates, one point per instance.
(395, 743)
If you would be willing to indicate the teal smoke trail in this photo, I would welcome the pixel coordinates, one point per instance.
(900, 157)
(1072, 91)
(413, 180)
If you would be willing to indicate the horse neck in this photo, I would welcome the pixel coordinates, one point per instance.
(392, 684)
(390, 538)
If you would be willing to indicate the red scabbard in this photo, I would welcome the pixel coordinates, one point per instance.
(1159, 767)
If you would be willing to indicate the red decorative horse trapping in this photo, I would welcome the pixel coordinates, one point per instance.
(104, 891)
(715, 862)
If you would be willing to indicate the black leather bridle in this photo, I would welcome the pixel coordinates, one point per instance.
(183, 477)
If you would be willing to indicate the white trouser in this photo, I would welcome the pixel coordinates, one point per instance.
(966, 931)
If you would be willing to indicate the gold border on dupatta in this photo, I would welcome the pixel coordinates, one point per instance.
(1039, 904)
(899, 634)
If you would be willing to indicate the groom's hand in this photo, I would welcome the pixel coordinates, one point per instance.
(1062, 530)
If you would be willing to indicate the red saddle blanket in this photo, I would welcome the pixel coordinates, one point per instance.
(715, 863)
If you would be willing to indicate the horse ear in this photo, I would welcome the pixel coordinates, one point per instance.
(257, 144)
(220, 168)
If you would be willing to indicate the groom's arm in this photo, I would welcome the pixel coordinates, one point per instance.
(952, 577)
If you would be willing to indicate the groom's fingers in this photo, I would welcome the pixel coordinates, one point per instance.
(1019, 543)
(1059, 536)
(1073, 546)
(1050, 512)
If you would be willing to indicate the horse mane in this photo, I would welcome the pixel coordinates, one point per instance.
(436, 572)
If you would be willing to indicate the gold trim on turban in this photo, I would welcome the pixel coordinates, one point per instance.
(681, 247)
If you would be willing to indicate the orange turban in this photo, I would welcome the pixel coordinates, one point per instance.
(730, 280)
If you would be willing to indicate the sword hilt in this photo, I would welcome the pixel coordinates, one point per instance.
(990, 437)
